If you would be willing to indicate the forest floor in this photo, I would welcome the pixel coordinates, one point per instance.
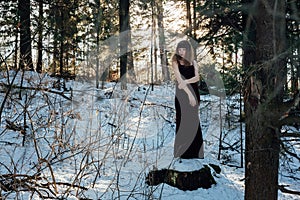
(103, 143)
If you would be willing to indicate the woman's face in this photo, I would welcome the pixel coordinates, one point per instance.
(182, 52)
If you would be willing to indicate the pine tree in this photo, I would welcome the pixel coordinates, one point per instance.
(266, 67)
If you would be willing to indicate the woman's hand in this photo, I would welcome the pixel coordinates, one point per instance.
(182, 84)
(192, 100)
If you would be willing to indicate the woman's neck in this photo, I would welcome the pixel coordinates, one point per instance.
(181, 62)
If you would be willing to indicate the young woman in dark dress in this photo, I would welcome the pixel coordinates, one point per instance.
(188, 140)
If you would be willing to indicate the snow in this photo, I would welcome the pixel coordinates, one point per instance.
(108, 145)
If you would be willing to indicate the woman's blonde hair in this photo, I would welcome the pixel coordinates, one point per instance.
(189, 57)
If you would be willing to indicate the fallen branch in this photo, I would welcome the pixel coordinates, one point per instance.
(30, 183)
(61, 93)
(295, 134)
(183, 180)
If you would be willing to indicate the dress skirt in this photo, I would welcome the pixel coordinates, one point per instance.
(188, 140)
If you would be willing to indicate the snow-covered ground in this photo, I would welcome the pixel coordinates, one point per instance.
(102, 144)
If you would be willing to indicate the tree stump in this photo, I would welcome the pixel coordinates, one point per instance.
(184, 180)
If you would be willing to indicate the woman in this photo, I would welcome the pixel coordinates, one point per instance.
(188, 141)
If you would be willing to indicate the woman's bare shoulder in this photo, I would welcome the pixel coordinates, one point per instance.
(174, 63)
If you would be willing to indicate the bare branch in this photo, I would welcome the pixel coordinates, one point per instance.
(289, 152)
(290, 120)
(295, 134)
(284, 190)
(289, 105)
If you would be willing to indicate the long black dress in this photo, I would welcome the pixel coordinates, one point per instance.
(188, 140)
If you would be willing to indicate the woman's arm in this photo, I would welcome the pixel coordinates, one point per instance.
(194, 79)
(178, 76)
(181, 81)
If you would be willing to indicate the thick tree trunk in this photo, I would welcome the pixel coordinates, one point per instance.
(265, 64)
(25, 35)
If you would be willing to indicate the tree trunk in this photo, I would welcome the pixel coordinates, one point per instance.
(188, 18)
(55, 50)
(194, 19)
(297, 33)
(54, 9)
(154, 78)
(98, 29)
(16, 48)
(124, 39)
(61, 41)
(264, 47)
(162, 41)
(25, 35)
(131, 72)
(39, 64)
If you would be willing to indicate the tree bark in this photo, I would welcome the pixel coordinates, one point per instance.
(98, 29)
(62, 32)
(194, 19)
(124, 39)
(130, 65)
(39, 64)
(188, 18)
(153, 55)
(25, 35)
(264, 50)
(54, 9)
(162, 41)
